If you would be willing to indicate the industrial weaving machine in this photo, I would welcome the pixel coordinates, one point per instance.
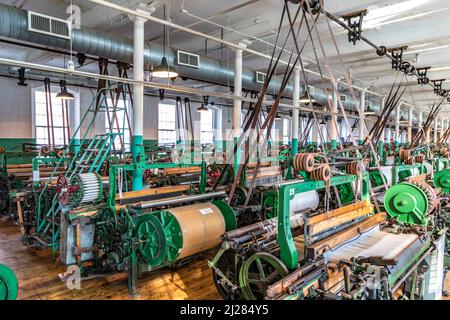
(347, 253)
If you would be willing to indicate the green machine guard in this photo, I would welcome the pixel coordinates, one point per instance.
(9, 286)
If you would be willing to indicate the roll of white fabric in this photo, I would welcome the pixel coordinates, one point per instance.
(305, 200)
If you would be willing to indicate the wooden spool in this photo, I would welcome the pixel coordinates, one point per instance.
(420, 158)
(404, 154)
(353, 168)
(443, 152)
(323, 173)
(409, 161)
(304, 162)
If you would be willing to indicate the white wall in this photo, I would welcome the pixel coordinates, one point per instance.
(16, 112)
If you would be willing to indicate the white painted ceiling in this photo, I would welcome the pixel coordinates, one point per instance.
(423, 26)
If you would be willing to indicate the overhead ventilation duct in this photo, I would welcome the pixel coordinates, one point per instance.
(14, 24)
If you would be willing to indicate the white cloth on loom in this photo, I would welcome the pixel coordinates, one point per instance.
(374, 243)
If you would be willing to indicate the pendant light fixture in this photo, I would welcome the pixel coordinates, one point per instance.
(165, 71)
(203, 107)
(64, 94)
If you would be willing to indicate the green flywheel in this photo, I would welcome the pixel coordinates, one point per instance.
(173, 234)
(152, 239)
(442, 180)
(270, 203)
(407, 203)
(9, 286)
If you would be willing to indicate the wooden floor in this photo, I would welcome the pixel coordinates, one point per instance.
(38, 277)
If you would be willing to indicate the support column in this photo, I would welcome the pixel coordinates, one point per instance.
(138, 103)
(409, 130)
(388, 135)
(237, 111)
(295, 111)
(333, 125)
(397, 125)
(362, 109)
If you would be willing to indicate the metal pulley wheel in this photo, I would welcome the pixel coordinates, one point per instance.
(407, 203)
(442, 180)
(62, 190)
(420, 158)
(270, 204)
(228, 267)
(259, 272)
(304, 162)
(321, 174)
(431, 194)
(9, 286)
(46, 150)
(152, 240)
(353, 168)
(404, 154)
(239, 197)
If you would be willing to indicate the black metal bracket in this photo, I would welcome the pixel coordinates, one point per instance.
(81, 59)
(310, 6)
(206, 100)
(22, 78)
(397, 55)
(438, 86)
(422, 78)
(355, 22)
(162, 94)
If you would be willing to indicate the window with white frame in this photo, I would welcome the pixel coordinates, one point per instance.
(46, 118)
(206, 127)
(119, 123)
(167, 124)
(286, 130)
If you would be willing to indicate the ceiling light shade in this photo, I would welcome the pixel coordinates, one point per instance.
(64, 95)
(305, 99)
(202, 108)
(164, 70)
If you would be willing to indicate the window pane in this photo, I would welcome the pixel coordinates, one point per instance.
(41, 122)
(166, 124)
(206, 127)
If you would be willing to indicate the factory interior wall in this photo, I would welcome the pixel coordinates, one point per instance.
(17, 119)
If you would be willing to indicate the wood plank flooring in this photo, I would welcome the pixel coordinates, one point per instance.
(38, 276)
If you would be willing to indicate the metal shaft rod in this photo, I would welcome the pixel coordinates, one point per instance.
(200, 197)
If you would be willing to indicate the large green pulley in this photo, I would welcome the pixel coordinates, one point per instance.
(259, 272)
(9, 286)
(407, 203)
(270, 203)
(173, 234)
(152, 240)
(442, 180)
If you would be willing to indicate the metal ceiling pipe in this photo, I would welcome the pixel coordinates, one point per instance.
(14, 24)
